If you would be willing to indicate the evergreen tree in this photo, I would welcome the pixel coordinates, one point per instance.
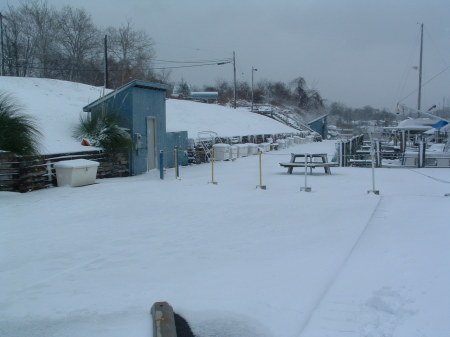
(183, 89)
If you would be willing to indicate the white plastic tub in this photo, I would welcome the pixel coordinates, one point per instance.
(252, 149)
(221, 152)
(265, 147)
(78, 172)
(233, 152)
(242, 150)
(281, 144)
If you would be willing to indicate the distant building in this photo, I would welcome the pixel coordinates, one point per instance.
(320, 125)
(204, 96)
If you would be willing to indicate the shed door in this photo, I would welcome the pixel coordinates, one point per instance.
(151, 144)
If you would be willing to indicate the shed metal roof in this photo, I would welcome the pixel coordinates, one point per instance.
(205, 94)
(316, 119)
(135, 83)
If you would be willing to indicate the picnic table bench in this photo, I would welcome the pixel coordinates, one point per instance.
(309, 161)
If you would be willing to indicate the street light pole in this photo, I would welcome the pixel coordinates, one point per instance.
(1, 46)
(419, 96)
(234, 80)
(106, 75)
(253, 70)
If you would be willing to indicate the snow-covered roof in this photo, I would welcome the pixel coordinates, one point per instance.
(135, 83)
(205, 94)
(416, 124)
(316, 119)
(445, 128)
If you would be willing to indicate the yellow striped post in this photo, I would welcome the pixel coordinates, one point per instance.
(212, 167)
(261, 186)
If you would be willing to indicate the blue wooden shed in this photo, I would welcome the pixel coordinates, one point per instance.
(142, 108)
(320, 125)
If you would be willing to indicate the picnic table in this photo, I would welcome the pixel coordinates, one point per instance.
(311, 160)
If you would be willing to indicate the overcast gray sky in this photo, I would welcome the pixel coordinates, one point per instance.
(353, 51)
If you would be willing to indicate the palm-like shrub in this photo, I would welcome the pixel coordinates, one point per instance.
(103, 130)
(18, 131)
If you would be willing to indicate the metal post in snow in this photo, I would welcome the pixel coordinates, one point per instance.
(378, 153)
(372, 154)
(306, 188)
(344, 156)
(261, 186)
(161, 165)
(177, 169)
(212, 167)
(419, 156)
(422, 147)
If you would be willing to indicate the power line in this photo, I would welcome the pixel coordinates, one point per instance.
(31, 67)
(193, 65)
(193, 62)
(432, 78)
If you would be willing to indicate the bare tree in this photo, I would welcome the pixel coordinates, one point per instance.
(19, 48)
(307, 99)
(315, 100)
(279, 93)
(40, 26)
(243, 90)
(65, 44)
(225, 91)
(78, 40)
(131, 52)
(301, 92)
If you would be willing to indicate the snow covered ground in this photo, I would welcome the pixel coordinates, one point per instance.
(57, 105)
(233, 259)
(196, 117)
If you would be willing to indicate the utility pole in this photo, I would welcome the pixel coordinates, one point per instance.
(1, 43)
(106, 80)
(234, 72)
(253, 70)
(420, 67)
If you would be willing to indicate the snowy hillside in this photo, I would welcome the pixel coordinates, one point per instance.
(195, 117)
(57, 106)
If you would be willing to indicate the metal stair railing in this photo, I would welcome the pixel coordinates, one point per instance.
(206, 140)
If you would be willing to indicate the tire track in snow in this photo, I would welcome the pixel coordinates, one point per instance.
(339, 270)
(77, 266)
(431, 177)
(62, 272)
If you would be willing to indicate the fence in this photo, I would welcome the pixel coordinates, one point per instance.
(356, 152)
(347, 150)
(26, 173)
(29, 173)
